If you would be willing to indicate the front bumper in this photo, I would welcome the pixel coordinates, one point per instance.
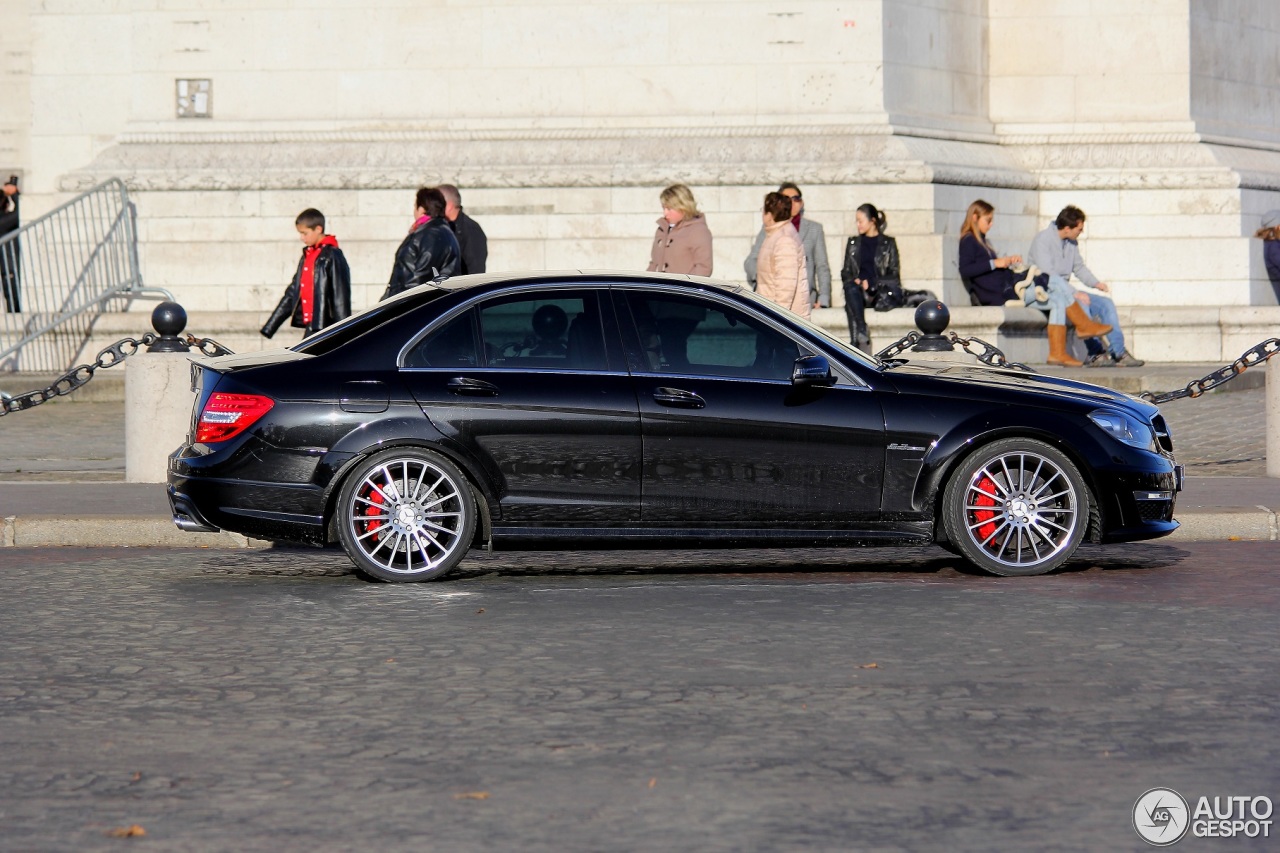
(1137, 506)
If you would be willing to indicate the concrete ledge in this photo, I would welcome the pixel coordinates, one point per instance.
(38, 531)
(1226, 524)
(1155, 333)
(1182, 334)
(1220, 524)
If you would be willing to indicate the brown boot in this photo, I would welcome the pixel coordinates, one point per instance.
(1058, 347)
(1085, 325)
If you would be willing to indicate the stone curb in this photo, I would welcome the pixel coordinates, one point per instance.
(42, 531)
(1226, 524)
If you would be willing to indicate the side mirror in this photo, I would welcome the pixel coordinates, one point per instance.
(812, 371)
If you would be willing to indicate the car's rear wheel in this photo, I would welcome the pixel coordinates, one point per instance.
(406, 515)
(1016, 507)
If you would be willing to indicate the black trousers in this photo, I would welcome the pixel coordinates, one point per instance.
(11, 277)
(855, 311)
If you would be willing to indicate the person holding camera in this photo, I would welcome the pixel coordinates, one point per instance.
(11, 251)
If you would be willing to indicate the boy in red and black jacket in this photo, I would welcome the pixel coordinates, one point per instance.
(320, 293)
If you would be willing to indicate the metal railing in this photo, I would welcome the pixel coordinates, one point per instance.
(59, 273)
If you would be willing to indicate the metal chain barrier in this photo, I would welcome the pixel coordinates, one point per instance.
(903, 344)
(76, 376)
(1251, 357)
(986, 353)
(207, 346)
(81, 374)
(990, 354)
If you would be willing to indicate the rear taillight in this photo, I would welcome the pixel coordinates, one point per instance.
(227, 415)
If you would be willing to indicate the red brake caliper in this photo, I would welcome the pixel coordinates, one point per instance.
(986, 485)
(372, 512)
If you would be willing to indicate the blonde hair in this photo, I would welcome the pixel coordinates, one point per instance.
(679, 197)
(977, 209)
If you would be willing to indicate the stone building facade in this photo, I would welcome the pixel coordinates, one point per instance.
(562, 121)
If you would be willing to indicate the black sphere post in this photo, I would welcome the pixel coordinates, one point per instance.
(169, 319)
(932, 318)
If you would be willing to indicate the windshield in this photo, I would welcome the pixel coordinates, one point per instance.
(842, 346)
(356, 325)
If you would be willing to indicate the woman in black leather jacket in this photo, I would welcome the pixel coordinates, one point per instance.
(871, 273)
(430, 250)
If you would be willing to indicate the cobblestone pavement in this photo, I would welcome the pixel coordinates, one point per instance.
(64, 441)
(1220, 434)
(638, 701)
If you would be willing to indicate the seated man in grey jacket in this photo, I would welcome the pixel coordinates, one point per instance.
(1056, 252)
(815, 250)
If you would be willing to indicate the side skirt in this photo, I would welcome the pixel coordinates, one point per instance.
(622, 538)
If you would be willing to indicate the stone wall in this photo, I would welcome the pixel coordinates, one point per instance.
(15, 86)
(1235, 60)
(562, 123)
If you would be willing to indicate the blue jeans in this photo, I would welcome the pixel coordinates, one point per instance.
(1103, 310)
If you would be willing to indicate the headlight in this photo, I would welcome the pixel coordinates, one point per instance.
(1125, 428)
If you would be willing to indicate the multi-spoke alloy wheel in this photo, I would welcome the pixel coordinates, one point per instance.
(406, 515)
(1016, 507)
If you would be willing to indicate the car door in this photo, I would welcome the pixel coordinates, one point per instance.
(728, 439)
(531, 384)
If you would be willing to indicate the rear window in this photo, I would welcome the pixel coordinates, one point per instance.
(356, 325)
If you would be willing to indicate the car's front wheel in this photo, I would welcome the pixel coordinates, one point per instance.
(406, 515)
(1016, 507)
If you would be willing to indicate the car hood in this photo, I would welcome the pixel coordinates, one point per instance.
(1054, 388)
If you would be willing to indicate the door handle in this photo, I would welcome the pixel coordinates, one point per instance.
(679, 399)
(472, 387)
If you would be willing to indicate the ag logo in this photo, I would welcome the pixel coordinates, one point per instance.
(1161, 816)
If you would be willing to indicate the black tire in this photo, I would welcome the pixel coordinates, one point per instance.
(1016, 507)
(406, 514)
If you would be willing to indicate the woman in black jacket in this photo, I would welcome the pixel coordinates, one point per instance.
(987, 276)
(871, 273)
(430, 250)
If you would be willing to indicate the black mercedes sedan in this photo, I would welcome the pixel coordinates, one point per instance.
(614, 410)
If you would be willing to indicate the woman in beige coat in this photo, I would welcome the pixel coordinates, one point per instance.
(683, 241)
(781, 275)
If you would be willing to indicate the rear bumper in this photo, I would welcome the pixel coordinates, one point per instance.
(185, 514)
(292, 512)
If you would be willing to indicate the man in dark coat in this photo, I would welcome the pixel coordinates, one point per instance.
(471, 239)
(11, 252)
(429, 251)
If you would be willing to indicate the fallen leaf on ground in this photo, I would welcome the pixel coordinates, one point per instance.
(127, 831)
(472, 795)
(481, 610)
(653, 781)
(869, 666)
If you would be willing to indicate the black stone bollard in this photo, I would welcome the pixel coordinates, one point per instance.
(932, 319)
(169, 319)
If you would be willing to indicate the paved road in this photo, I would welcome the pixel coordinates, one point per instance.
(825, 700)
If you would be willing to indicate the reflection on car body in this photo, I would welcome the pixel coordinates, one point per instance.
(583, 409)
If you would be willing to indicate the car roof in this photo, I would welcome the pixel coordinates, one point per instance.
(584, 276)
